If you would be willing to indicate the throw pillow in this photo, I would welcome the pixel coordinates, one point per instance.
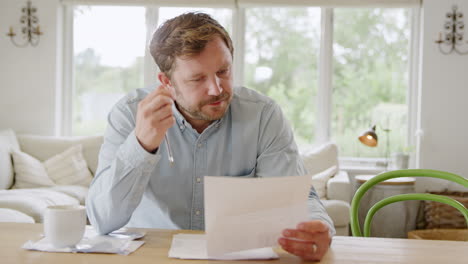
(319, 181)
(66, 168)
(69, 168)
(8, 143)
(29, 172)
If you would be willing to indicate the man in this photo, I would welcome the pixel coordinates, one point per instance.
(214, 130)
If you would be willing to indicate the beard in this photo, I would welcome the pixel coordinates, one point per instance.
(196, 112)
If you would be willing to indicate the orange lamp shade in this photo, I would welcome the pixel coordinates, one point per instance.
(369, 137)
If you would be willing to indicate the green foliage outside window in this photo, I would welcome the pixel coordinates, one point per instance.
(92, 77)
(370, 78)
(370, 71)
(286, 41)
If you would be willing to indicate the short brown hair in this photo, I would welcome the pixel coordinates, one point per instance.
(185, 35)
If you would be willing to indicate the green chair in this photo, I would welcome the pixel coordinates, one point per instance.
(355, 228)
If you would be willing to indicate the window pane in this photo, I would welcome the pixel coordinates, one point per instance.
(108, 61)
(370, 78)
(222, 15)
(281, 51)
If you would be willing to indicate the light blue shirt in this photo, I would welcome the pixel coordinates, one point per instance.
(135, 188)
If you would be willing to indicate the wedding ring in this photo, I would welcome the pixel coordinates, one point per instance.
(314, 248)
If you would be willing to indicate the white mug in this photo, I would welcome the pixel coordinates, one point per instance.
(64, 225)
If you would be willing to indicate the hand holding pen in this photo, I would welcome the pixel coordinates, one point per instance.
(154, 117)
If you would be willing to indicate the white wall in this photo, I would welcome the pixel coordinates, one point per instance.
(28, 79)
(28, 84)
(444, 95)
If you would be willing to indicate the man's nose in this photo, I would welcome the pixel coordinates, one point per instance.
(214, 87)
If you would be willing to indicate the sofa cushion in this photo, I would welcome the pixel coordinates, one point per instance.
(66, 168)
(338, 211)
(33, 202)
(320, 180)
(13, 216)
(339, 187)
(8, 143)
(75, 191)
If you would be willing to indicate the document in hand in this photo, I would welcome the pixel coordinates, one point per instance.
(248, 213)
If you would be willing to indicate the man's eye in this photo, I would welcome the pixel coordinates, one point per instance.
(197, 79)
(221, 72)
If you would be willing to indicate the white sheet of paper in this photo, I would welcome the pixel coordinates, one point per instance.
(189, 246)
(249, 213)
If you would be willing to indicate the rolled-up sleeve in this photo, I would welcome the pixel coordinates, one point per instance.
(123, 173)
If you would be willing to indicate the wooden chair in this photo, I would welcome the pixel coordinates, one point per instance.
(355, 228)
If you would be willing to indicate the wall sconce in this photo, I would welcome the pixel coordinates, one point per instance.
(31, 30)
(453, 37)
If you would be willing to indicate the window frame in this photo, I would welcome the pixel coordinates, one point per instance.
(325, 65)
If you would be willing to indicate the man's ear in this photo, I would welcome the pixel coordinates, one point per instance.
(164, 79)
(166, 82)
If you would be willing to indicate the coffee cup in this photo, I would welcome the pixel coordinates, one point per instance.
(64, 225)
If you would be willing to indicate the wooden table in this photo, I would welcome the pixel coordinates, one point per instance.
(154, 251)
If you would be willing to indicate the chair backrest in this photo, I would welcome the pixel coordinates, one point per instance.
(355, 228)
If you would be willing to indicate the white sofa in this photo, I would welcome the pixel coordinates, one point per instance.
(28, 205)
(322, 161)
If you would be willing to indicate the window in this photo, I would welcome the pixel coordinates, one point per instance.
(279, 51)
(106, 64)
(370, 78)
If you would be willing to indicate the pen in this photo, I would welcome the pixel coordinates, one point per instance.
(169, 151)
(168, 146)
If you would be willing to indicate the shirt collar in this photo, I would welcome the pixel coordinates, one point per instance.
(180, 120)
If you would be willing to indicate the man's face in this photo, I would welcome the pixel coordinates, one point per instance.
(203, 83)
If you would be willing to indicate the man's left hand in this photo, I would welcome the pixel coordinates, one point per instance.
(310, 241)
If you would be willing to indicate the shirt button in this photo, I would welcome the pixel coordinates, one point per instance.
(181, 127)
(198, 180)
(197, 212)
(199, 145)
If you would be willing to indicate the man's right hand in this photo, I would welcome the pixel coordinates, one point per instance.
(154, 117)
